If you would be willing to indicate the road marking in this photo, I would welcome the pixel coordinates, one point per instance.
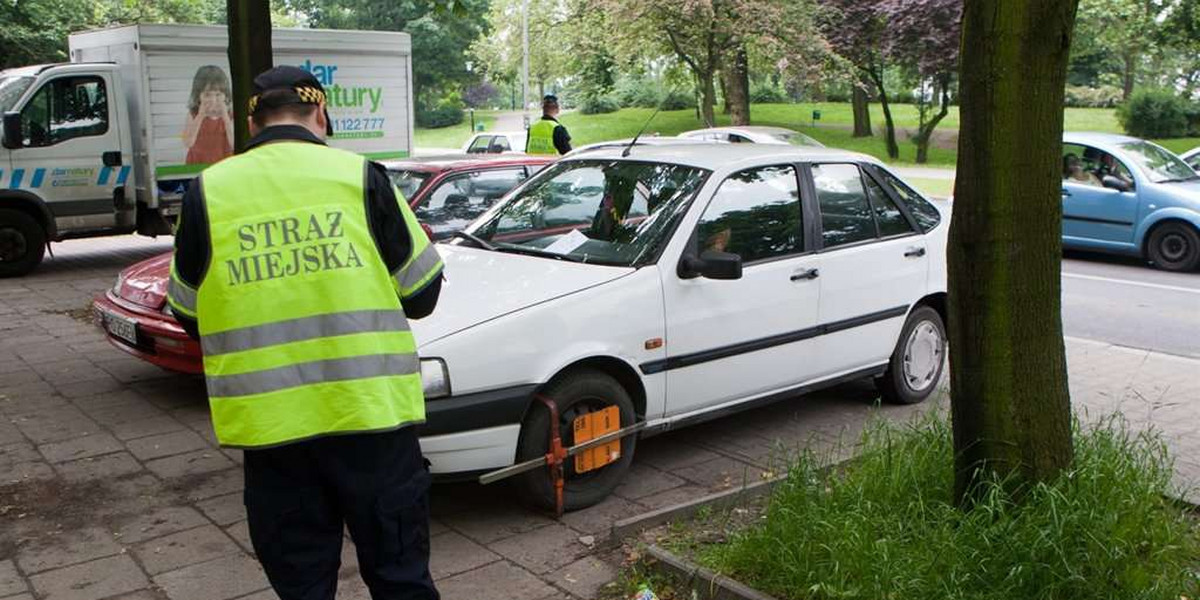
(1157, 286)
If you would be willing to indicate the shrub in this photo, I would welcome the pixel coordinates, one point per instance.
(443, 115)
(885, 526)
(637, 94)
(1155, 114)
(677, 100)
(767, 94)
(1105, 96)
(595, 105)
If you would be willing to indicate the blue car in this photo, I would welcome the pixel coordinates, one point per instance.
(1128, 196)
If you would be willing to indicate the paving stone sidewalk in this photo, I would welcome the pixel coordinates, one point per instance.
(111, 485)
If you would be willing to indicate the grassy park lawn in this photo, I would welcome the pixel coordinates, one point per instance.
(885, 526)
(454, 135)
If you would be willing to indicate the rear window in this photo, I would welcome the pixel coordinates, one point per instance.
(922, 210)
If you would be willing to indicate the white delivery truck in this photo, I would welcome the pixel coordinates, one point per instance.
(108, 143)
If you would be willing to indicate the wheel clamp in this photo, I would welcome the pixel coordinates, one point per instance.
(557, 455)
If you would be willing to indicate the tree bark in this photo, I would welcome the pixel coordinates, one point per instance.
(1129, 64)
(723, 79)
(889, 125)
(737, 88)
(925, 130)
(860, 101)
(1010, 403)
(708, 99)
(249, 55)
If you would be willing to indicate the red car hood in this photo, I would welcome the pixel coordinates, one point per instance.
(145, 283)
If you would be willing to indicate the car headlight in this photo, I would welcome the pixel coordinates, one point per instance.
(435, 378)
(116, 288)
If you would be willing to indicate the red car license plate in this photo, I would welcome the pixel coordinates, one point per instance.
(121, 327)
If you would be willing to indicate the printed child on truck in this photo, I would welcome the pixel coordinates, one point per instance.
(208, 129)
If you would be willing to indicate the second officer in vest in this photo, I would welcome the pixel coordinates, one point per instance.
(547, 135)
(298, 267)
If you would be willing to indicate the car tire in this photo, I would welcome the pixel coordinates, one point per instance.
(918, 360)
(574, 393)
(22, 243)
(1174, 247)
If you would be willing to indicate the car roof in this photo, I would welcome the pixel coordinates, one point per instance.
(719, 156)
(455, 162)
(1097, 138)
(750, 129)
(516, 133)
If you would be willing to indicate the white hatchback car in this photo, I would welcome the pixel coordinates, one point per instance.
(677, 283)
(495, 142)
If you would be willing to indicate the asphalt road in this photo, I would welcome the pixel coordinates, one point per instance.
(1125, 302)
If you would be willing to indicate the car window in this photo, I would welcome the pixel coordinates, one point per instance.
(462, 198)
(923, 212)
(845, 211)
(890, 219)
(1087, 165)
(64, 109)
(408, 181)
(499, 144)
(754, 214)
(1193, 161)
(480, 145)
(738, 139)
(1158, 164)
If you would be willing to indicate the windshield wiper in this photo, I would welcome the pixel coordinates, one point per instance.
(474, 239)
(537, 252)
(1181, 179)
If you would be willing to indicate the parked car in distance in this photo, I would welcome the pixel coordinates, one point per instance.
(643, 140)
(752, 135)
(1124, 195)
(1192, 158)
(495, 142)
(445, 193)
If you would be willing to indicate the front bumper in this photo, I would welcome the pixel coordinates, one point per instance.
(161, 341)
(474, 432)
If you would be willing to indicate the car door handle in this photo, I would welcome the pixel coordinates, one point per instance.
(914, 252)
(806, 274)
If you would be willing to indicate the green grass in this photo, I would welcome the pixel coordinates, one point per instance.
(937, 188)
(452, 136)
(1179, 145)
(885, 528)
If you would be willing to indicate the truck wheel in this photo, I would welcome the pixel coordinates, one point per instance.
(575, 393)
(917, 362)
(1174, 247)
(22, 243)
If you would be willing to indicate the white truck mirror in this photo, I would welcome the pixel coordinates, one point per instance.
(12, 130)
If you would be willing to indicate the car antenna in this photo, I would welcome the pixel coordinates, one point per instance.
(625, 152)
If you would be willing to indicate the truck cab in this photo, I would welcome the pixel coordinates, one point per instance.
(66, 159)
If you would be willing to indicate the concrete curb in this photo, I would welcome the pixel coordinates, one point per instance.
(708, 585)
(728, 498)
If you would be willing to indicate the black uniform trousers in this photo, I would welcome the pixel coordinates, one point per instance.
(298, 496)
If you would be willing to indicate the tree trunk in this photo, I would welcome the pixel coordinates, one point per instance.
(723, 79)
(1129, 65)
(708, 98)
(249, 55)
(889, 125)
(1010, 403)
(860, 102)
(925, 130)
(737, 88)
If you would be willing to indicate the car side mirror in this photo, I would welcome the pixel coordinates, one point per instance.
(711, 265)
(12, 130)
(1113, 182)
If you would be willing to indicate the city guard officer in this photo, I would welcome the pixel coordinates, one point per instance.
(298, 268)
(547, 136)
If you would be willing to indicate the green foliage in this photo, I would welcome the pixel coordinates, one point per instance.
(636, 92)
(765, 93)
(595, 105)
(1154, 114)
(677, 100)
(446, 112)
(886, 527)
(1104, 96)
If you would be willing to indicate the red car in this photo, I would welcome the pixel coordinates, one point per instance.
(446, 193)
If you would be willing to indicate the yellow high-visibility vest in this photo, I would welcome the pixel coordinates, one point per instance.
(541, 138)
(300, 321)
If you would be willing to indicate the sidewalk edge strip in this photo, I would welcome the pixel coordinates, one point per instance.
(711, 585)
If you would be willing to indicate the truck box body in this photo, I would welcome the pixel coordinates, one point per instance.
(367, 76)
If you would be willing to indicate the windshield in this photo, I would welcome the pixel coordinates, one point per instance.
(1158, 164)
(796, 139)
(11, 89)
(408, 182)
(599, 211)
